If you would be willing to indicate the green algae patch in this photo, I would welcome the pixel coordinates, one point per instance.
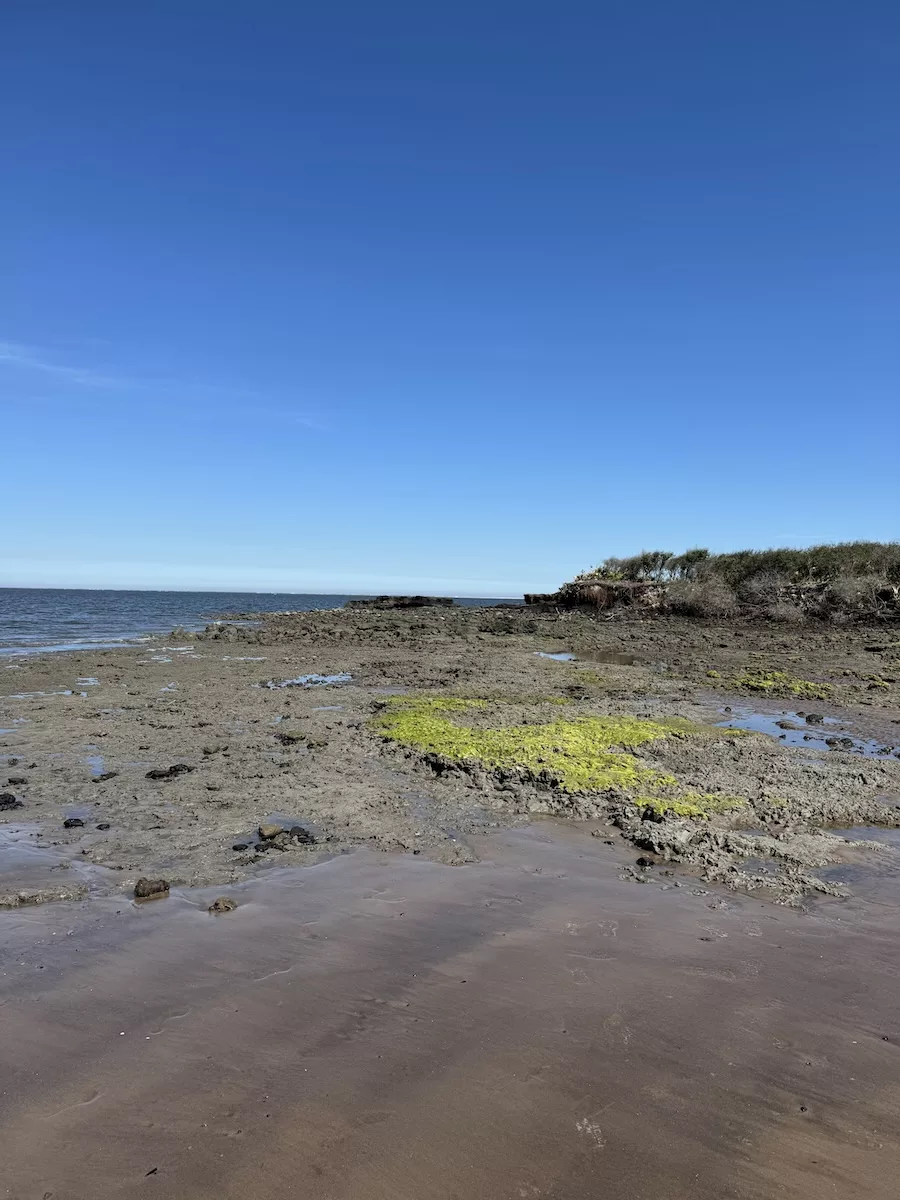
(584, 754)
(779, 683)
(695, 806)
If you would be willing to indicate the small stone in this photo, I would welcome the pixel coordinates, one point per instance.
(814, 718)
(17, 780)
(646, 862)
(73, 823)
(299, 834)
(8, 801)
(103, 826)
(146, 889)
(239, 846)
(223, 904)
(268, 832)
(106, 775)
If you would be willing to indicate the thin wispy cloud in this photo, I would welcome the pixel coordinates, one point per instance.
(43, 362)
(28, 358)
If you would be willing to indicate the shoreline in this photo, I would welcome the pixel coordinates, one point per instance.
(433, 998)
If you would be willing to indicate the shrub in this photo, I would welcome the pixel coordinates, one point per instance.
(865, 595)
(710, 597)
(649, 565)
(688, 565)
(786, 613)
(762, 588)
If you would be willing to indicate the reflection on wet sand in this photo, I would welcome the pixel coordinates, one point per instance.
(386, 1028)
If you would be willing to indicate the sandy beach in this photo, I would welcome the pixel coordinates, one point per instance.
(451, 984)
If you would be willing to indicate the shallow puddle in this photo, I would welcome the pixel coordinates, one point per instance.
(870, 833)
(619, 658)
(793, 729)
(97, 764)
(32, 872)
(38, 695)
(312, 680)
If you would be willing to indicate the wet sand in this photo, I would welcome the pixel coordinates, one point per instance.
(386, 1028)
(446, 996)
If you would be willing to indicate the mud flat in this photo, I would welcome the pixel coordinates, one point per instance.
(417, 730)
(450, 983)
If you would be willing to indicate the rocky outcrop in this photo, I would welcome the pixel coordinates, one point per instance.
(401, 602)
(603, 594)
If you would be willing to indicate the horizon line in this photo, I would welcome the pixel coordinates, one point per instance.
(24, 587)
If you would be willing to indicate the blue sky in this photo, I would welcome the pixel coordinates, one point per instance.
(464, 298)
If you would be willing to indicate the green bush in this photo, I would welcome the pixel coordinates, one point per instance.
(817, 564)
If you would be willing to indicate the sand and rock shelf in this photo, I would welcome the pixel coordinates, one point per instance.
(737, 754)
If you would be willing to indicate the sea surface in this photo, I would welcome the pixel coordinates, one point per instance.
(35, 620)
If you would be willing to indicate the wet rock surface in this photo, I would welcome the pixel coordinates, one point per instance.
(147, 889)
(165, 772)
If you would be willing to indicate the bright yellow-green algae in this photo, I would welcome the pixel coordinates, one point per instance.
(586, 754)
(779, 683)
(698, 806)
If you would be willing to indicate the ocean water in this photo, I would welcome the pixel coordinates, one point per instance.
(35, 620)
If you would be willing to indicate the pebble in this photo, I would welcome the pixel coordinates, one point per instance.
(145, 889)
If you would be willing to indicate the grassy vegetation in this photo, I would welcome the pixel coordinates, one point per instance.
(816, 564)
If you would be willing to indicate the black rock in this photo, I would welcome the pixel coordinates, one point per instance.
(103, 826)
(8, 801)
(299, 834)
(73, 823)
(241, 846)
(144, 889)
(169, 772)
(814, 718)
(106, 775)
(646, 862)
(17, 780)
